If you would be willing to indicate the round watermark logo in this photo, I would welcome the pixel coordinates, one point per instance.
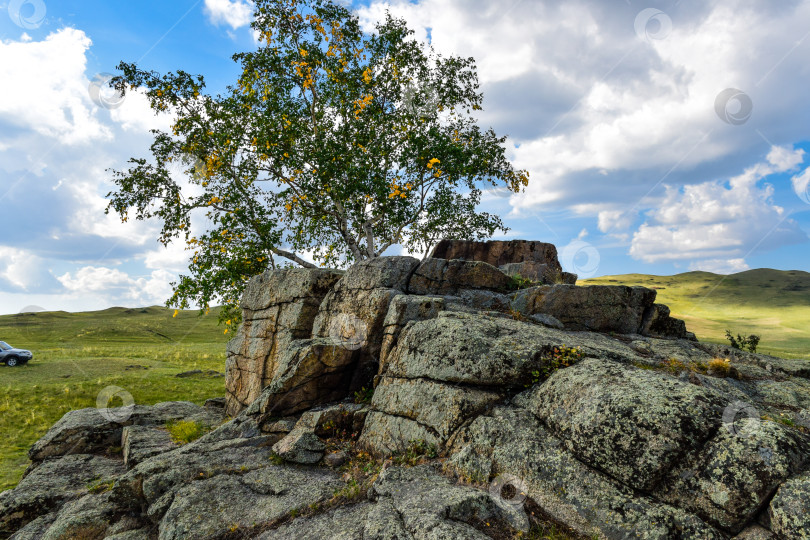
(652, 24)
(27, 14)
(103, 94)
(107, 397)
(733, 106)
(741, 419)
(581, 258)
(348, 331)
(509, 493)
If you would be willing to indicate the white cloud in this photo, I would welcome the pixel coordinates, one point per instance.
(801, 185)
(44, 87)
(720, 266)
(19, 267)
(117, 286)
(135, 114)
(718, 219)
(234, 13)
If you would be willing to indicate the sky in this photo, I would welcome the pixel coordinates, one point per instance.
(661, 136)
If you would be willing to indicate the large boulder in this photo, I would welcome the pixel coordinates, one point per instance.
(352, 315)
(443, 277)
(728, 480)
(788, 511)
(87, 431)
(510, 443)
(607, 308)
(631, 423)
(278, 307)
(499, 252)
(52, 484)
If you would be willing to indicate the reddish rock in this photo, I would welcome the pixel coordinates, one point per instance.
(499, 252)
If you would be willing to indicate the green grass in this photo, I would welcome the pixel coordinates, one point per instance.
(185, 431)
(77, 355)
(773, 304)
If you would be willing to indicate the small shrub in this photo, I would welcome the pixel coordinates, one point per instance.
(562, 357)
(748, 343)
(720, 367)
(276, 459)
(364, 395)
(674, 366)
(517, 282)
(417, 451)
(100, 486)
(185, 431)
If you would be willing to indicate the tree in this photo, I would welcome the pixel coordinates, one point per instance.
(333, 142)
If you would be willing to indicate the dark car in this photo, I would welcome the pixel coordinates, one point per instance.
(14, 357)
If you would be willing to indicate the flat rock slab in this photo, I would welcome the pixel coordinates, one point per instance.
(405, 503)
(438, 276)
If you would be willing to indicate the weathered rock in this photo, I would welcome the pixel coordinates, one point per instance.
(336, 459)
(532, 270)
(88, 431)
(53, 483)
(441, 408)
(755, 532)
(301, 445)
(142, 442)
(88, 517)
(728, 480)
(511, 444)
(631, 423)
(442, 277)
(227, 503)
(405, 503)
(609, 308)
(658, 323)
(385, 434)
(487, 351)
(352, 315)
(788, 510)
(278, 306)
(402, 310)
(344, 418)
(498, 252)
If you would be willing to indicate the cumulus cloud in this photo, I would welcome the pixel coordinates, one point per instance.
(720, 219)
(234, 13)
(113, 284)
(45, 88)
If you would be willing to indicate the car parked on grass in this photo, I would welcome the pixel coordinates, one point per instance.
(14, 357)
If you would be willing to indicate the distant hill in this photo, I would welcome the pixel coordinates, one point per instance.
(138, 325)
(774, 304)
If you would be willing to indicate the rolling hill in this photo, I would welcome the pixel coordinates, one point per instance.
(774, 304)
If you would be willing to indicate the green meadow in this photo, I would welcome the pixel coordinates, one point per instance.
(77, 355)
(773, 304)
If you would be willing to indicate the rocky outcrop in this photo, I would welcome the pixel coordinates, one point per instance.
(278, 307)
(408, 399)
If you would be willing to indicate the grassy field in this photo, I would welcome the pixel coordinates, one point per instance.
(77, 355)
(773, 304)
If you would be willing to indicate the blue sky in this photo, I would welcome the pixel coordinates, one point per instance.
(661, 136)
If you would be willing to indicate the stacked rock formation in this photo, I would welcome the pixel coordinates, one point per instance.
(598, 407)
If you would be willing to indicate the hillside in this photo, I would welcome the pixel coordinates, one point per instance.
(772, 303)
(77, 355)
